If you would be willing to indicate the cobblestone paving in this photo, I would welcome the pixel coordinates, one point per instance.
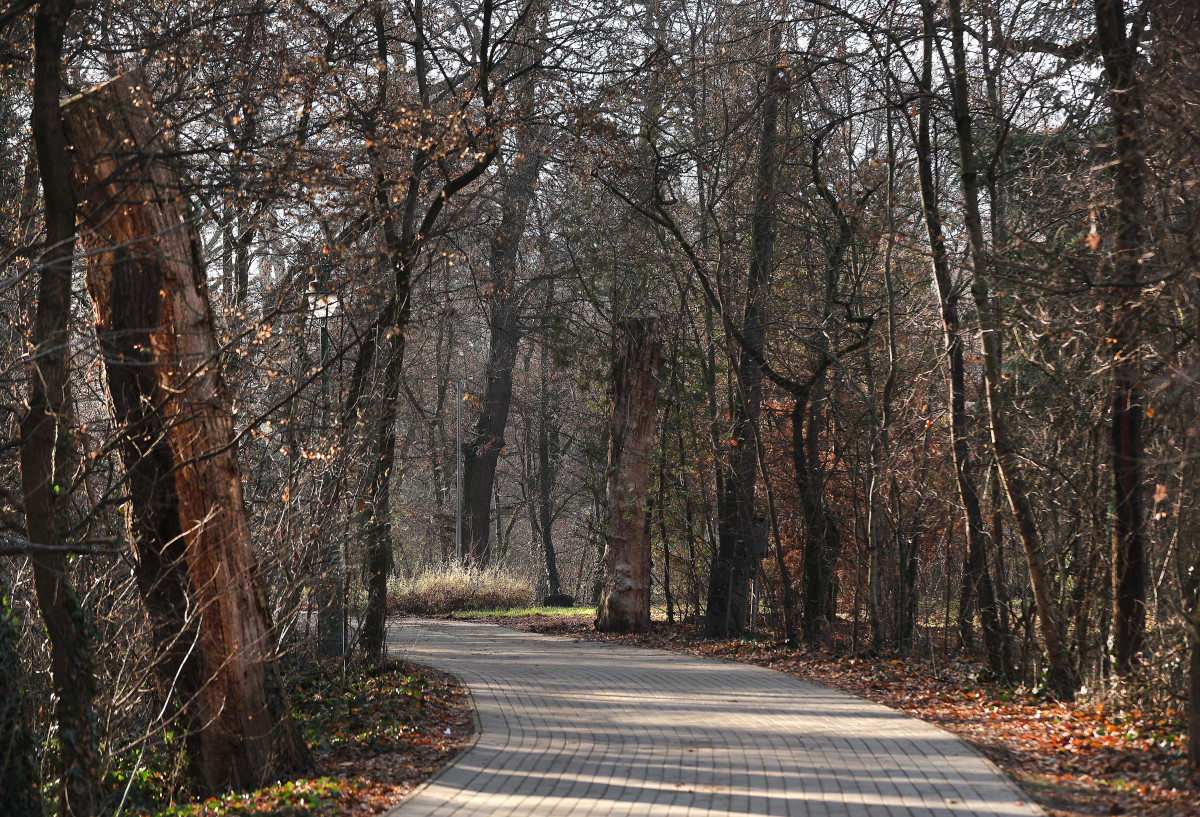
(585, 728)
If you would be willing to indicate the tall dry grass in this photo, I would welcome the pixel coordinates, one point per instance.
(454, 588)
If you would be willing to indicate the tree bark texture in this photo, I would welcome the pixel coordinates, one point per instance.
(625, 597)
(187, 514)
(1119, 54)
(482, 451)
(379, 557)
(45, 429)
(729, 579)
(1060, 676)
(822, 536)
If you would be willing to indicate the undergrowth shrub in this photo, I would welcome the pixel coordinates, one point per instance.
(454, 588)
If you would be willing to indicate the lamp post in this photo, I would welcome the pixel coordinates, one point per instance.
(331, 617)
(458, 398)
(324, 303)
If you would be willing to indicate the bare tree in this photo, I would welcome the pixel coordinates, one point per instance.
(1061, 677)
(46, 455)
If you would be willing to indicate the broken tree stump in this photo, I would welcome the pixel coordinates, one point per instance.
(186, 515)
(625, 596)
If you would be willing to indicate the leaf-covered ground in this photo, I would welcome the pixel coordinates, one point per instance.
(375, 736)
(1074, 759)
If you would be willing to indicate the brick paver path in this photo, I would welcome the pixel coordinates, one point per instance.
(586, 728)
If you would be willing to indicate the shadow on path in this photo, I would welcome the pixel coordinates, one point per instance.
(585, 728)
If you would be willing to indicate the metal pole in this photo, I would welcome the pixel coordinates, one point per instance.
(458, 548)
(325, 363)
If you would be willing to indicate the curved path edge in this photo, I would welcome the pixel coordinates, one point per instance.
(580, 728)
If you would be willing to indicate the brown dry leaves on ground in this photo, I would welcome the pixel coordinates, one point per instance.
(390, 766)
(1074, 759)
(375, 735)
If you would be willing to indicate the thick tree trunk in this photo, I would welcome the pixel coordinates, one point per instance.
(978, 579)
(729, 581)
(1120, 57)
(909, 596)
(482, 451)
(129, 312)
(1061, 678)
(45, 429)
(822, 536)
(625, 598)
(146, 278)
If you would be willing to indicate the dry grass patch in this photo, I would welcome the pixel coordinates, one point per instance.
(454, 589)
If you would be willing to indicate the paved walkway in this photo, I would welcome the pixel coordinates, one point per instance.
(585, 728)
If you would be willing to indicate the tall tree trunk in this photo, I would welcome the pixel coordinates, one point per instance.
(692, 597)
(822, 536)
(906, 548)
(145, 272)
(482, 451)
(378, 554)
(625, 599)
(880, 447)
(400, 244)
(662, 511)
(1119, 52)
(1061, 678)
(404, 235)
(978, 576)
(129, 312)
(1000, 586)
(729, 581)
(545, 481)
(45, 429)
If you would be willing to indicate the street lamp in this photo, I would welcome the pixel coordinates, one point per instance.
(323, 303)
(458, 399)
